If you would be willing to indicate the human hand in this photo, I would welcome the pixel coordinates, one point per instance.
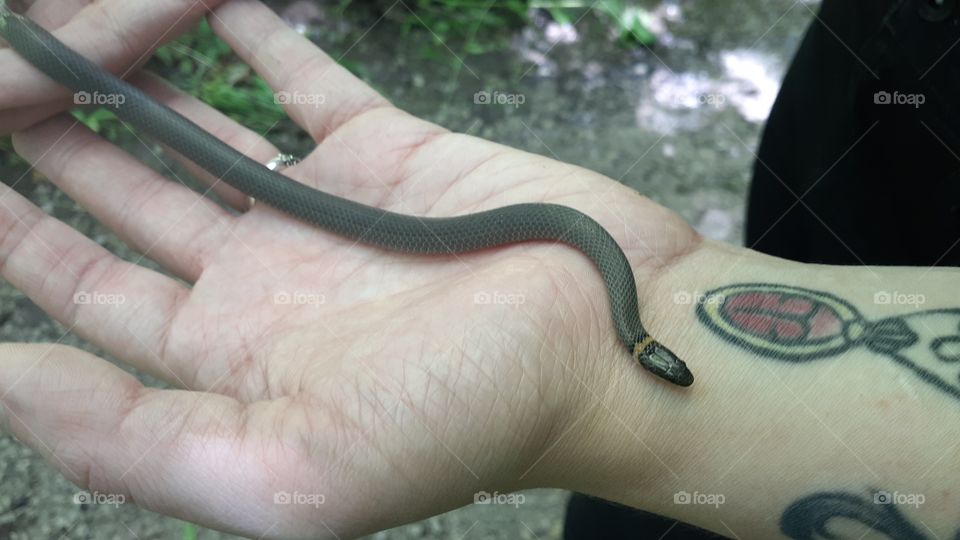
(388, 386)
(117, 34)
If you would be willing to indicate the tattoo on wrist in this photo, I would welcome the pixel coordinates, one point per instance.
(809, 518)
(793, 324)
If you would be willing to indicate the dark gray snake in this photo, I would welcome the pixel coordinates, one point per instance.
(397, 232)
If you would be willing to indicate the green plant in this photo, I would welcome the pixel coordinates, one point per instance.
(101, 121)
(632, 22)
(471, 20)
(201, 64)
(204, 66)
(475, 27)
(468, 27)
(189, 532)
(473, 24)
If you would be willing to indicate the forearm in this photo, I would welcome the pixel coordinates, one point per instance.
(816, 392)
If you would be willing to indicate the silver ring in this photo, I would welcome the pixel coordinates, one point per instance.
(279, 163)
(282, 161)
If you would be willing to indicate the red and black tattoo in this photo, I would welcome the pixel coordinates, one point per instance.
(799, 325)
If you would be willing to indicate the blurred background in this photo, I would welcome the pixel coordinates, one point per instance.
(666, 96)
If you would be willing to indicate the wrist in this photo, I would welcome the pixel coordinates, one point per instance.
(760, 429)
(618, 433)
(632, 438)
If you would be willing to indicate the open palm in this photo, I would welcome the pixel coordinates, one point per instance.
(330, 387)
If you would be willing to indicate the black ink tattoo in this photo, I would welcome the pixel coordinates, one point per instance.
(799, 325)
(809, 518)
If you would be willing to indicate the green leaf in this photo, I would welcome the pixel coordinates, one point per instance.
(474, 47)
(189, 532)
(560, 15)
(165, 55)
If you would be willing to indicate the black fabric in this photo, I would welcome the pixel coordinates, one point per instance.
(841, 178)
(597, 519)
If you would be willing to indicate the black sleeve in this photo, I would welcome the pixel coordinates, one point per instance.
(859, 159)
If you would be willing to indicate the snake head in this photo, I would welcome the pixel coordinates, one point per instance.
(661, 361)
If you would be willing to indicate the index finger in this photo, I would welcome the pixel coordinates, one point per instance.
(116, 34)
(318, 93)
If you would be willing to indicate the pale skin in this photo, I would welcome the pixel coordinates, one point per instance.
(385, 385)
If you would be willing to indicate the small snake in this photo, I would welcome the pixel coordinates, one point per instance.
(374, 226)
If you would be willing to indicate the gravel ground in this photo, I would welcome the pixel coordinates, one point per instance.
(679, 123)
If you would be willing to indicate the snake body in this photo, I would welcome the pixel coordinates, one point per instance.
(366, 224)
